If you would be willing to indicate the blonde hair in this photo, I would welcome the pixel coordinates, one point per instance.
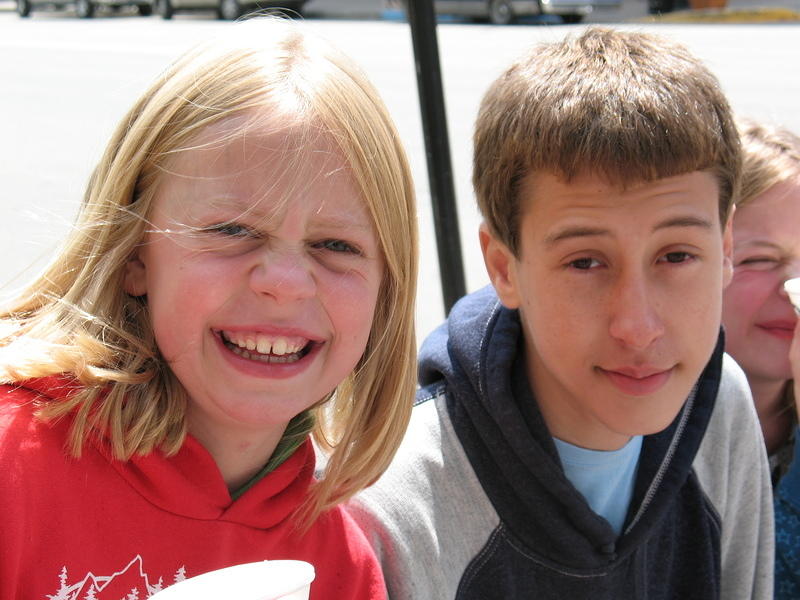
(629, 107)
(770, 155)
(76, 319)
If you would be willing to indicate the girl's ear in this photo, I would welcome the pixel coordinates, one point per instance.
(135, 282)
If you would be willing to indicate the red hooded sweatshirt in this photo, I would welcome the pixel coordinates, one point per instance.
(99, 528)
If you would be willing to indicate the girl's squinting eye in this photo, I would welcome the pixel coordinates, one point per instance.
(337, 246)
(230, 230)
(758, 262)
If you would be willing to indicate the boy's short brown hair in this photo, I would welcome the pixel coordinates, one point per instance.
(629, 107)
(771, 155)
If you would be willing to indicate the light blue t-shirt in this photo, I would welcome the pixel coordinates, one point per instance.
(605, 478)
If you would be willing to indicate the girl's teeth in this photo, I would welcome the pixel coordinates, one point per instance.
(265, 345)
(279, 347)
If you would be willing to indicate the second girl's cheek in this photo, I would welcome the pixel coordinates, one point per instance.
(794, 353)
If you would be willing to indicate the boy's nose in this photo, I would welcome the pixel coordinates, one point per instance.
(634, 319)
(285, 275)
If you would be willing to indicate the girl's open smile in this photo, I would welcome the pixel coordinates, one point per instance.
(271, 357)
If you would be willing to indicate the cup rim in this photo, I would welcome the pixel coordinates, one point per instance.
(792, 285)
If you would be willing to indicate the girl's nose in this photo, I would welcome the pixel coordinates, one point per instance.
(634, 319)
(283, 274)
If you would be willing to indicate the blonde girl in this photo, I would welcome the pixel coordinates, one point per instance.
(241, 275)
(761, 324)
(758, 317)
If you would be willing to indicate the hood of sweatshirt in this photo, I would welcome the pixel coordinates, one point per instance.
(479, 354)
(190, 483)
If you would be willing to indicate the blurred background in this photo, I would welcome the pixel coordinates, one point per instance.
(69, 72)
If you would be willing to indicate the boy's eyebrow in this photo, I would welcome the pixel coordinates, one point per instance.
(582, 231)
(686, 221)
(574, 232)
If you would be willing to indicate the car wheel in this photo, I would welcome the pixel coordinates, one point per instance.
(145, 9)
(571, 19)
(84, 8)
(656, 7)
(23, 8)
(230, 10)
(500, 12)
(165, 9)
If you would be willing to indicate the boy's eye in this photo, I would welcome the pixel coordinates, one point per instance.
(677, 257)
(583, 264)
(336, 246)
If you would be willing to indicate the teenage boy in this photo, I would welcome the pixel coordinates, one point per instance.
(579, 432)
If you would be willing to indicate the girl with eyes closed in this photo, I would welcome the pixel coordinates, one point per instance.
(241, 280)
(761, 325)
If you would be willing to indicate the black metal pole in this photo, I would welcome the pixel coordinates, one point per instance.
(422, 20)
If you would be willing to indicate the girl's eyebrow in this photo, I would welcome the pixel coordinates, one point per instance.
(244, 208)
(339, 222)
(758, 243)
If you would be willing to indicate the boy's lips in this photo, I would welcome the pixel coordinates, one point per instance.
(637, 381)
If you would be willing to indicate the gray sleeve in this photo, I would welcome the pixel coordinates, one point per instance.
(732, 468)
(426, 520)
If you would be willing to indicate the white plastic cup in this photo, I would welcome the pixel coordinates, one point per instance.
(792, 287)
(265, 580)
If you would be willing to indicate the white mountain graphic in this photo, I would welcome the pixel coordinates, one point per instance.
(129, 583)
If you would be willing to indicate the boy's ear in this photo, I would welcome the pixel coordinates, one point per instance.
(135, 282)
(500, 265)
(727, 250)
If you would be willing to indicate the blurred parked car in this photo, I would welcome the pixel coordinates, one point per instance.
(226, 9)
(503, 12)
(84, 8)
(655, 7)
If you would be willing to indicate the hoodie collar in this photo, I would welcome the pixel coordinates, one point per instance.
(190, 483)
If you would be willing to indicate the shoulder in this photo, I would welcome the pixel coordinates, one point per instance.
(733, 416)
(19, 426)
(348, 569)
(732, 458)
(731, 466)
(419, 463)
(429, 508)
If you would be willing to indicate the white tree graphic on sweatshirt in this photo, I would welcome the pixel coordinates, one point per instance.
(132, 576)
